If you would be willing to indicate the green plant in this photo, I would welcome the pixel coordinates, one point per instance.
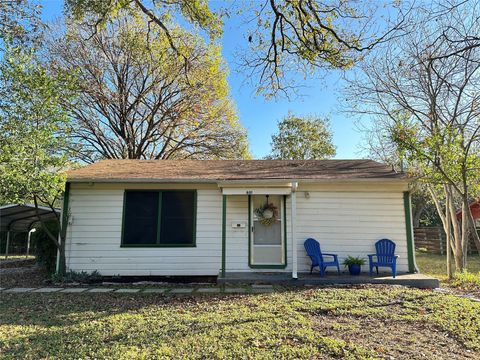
(82, 277)
(466, 279)
(350, 260)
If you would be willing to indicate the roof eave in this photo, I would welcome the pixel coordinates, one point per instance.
(239, 181)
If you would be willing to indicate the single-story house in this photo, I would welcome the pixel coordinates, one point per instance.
(209, 218)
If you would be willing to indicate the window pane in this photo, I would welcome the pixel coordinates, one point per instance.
(267, 235)
(177, 217)
(141, 217)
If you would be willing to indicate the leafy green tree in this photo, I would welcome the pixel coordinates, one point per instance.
(135, 99)
(162, 13)
(302, 138)
(33, 129)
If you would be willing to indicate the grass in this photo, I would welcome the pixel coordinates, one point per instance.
(435, 265)
(16, 257)
(360, 323)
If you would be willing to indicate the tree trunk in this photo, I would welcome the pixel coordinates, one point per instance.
(448, 234)
(59, 242)
(457, 245)
(61, 258)
(417, 215)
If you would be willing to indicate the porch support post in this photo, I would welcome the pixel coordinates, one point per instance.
(224, 233)
(293, 221)
(412, 266)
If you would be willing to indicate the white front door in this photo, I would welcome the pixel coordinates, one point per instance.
(267, 240)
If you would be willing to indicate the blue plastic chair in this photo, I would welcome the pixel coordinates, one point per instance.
(385, 255)
(312, 247)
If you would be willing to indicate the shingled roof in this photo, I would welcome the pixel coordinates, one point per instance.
(224, 170)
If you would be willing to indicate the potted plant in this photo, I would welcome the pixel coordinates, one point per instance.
(354, 264)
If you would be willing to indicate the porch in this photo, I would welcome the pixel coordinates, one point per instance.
(305, 278)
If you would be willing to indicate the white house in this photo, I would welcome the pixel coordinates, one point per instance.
(188, 217)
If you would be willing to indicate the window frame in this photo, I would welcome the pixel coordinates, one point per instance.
(159, 220)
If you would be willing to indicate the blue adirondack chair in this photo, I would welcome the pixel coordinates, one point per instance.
(312, 247)
(385, 256)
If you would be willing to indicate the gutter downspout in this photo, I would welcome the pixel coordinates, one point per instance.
(293, 227)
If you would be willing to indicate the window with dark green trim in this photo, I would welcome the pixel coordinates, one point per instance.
(159, 218)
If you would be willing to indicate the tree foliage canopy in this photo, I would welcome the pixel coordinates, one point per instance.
(302, 138)
(33, 129)
(136, 101)
(287, 38)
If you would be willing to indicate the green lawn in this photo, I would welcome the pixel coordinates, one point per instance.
(347, 323)
(436, 265)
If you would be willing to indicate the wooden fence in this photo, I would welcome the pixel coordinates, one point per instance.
(433, 240)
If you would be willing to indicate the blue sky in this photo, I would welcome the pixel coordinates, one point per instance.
(260, 116)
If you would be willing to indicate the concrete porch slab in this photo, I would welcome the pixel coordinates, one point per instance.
(412, 280)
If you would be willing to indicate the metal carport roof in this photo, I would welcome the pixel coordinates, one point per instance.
(18, 217)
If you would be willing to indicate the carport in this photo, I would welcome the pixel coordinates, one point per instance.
(17, 218)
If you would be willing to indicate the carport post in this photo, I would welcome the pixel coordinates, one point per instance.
(28, 240)
(8, 244)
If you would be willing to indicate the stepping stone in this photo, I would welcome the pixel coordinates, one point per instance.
(127, 291)
(19, 290)
(73, 290)
(235, 290)
(262, 290)
(208, 290)
(181, 291)
(154, 291)
(47, 290)
(259, 286)
(100, 290)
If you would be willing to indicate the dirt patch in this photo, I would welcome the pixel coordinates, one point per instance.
(393, 339)
(25, 276)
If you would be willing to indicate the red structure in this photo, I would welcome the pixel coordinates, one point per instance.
(474, 208)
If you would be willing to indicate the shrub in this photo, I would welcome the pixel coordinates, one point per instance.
(82, 277)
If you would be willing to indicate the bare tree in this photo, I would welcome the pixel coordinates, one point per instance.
(428, 103)
(134, 100)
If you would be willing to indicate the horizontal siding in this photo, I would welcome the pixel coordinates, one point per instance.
(349, 223)
(237, 239)
(345, 222)
(94, 237)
